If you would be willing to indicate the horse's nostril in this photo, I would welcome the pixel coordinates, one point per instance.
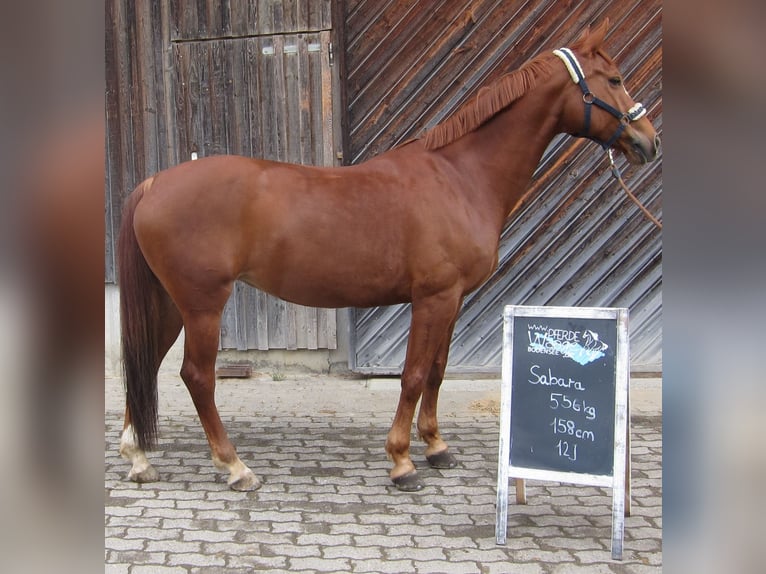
(656, 144)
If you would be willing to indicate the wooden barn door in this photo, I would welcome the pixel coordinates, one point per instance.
(257, 79)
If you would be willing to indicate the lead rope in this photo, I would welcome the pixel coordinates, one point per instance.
(618, 177)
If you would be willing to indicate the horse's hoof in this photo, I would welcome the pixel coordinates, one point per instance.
(443, 459)
(246, 483)
(145, 474)
(409, 482)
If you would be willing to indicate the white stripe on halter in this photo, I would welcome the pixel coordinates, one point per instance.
(570, 61)
(636, 112)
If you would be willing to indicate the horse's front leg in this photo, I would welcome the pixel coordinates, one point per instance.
(437, 453)
(432, 319)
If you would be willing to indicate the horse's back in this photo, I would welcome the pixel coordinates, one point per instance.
(325, 237)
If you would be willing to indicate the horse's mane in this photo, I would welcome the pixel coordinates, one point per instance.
(489, 101)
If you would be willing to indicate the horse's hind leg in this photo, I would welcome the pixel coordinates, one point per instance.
(169, 327)
(141, 469)
(198, 373)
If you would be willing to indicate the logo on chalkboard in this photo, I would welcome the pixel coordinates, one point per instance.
(582, 347)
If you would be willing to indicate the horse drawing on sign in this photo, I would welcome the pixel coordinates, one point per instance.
(420, 223)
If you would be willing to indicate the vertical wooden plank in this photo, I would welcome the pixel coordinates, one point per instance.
(301, 15)
(202, 30)
(252, 83)
(319, 15)
(173, 8)
(316, 53)
(225, 21)
(146, 90)
(269, 89)
(219, 118)
(187, 19)
(264, 23)
(182, 99)
(278, 15)
(164, 71)
(262, 320)
(326, 23)
(239, 11)
(249, 307)
(239, 295)
(235, 83)
(216, 18)
(228, 335)
(305, 99)
(276, 318)
(290, 21)
(130, 133)
(328, 147)
(253, 16)
(291, 103)
(327, 335)
(203, 128)
(112, 139)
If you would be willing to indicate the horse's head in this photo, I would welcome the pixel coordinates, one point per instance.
(598, 105)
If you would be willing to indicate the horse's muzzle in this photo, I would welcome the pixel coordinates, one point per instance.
(643, 149)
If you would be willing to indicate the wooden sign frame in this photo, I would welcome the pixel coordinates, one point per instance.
(619, 478)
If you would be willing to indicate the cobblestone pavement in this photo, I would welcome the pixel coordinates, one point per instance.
(327, 504)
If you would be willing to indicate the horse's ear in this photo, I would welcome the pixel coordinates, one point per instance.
(592, 39)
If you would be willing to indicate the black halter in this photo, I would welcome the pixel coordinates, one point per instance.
(578, 77)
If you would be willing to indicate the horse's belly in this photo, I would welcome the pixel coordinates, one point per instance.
(320, 286)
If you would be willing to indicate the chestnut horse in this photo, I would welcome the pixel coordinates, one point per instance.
(420, 223)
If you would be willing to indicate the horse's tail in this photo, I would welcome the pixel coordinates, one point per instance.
(140, 291)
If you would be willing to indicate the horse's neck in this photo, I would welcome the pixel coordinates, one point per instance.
(500, 157)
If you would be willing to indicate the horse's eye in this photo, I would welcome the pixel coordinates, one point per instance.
(615, 81)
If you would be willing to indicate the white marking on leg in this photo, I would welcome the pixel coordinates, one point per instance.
(141, 469)
(240, 476)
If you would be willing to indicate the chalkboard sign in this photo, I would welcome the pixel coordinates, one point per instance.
(564, 401)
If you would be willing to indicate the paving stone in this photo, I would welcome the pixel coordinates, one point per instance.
(417, 554)
(156, 569)
(113, 543)
(384, 566)
(320, 564)
(515, 567)
(448, 567)
(355, 553)
(196, 559)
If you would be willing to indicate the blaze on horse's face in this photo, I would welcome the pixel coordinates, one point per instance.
(638, 140)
